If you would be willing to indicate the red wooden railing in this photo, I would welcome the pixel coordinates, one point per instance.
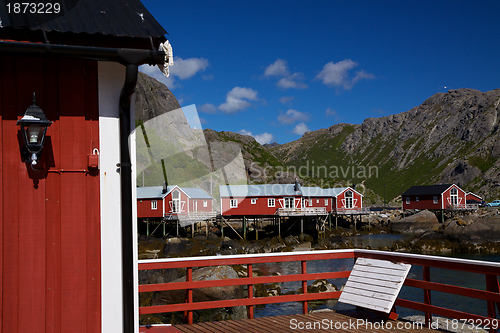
(489, 269)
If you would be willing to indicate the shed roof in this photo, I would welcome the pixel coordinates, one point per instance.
(156, 192)
(124, 18)
(315, 192)
(427, 189)
(258, 190)
(150, 192)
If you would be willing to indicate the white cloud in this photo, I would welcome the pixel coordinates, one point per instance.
(289, 82)
(260, 138)
(186, 68)
(208, 108)
(337, 74)
(286, 99)
(156, 73)
(264, 138)
(245, 132)
(182, 69)
(292, 116)
(280, 69)
(330, 112)
(300, 129)
(237, 98)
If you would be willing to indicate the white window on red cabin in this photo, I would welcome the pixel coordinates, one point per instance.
(310, 202)
(205, 203)
(326, 202)
(416, 199)
(454, 196)
(407, 200)
(348, 199)
(253, 201)
(271, 202)
(233, 203)
(317, 201)
(154, 205)
(435, 199)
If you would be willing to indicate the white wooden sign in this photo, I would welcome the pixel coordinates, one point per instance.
(374, 284)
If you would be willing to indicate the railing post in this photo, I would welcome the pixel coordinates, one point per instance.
(304, 287)
(250, 291)
(426, 276)
(492, 285)
(188, 315)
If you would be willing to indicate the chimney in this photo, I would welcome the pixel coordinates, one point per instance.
(164, 188)
(296, 186)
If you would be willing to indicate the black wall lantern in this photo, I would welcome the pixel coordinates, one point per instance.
(34, 125)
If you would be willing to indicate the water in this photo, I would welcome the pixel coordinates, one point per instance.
(460, 303)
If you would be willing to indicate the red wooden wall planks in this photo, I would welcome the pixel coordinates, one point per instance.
(50, 235)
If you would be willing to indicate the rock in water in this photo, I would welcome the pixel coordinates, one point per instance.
(207, 294)
(420, 222)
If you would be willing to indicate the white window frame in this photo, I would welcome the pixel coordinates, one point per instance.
(253, 201)
(454, 196)
(326, 202)
(317, 200)
(233, 203)
(205, 203)
(154, 205)
(407, 200)
(271, 202)
(349, 199)
(289, 202)
(435, 199)
(417, 199)
(176, 202)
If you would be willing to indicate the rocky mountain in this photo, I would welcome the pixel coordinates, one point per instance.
(152, 98)
(451, 137)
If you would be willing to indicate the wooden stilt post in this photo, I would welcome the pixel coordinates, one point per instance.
(206, 228)
(177, 224)
(256, 226)
(222, 226)
(336, 220)
(244, 228)
(164, 226)
(301, 229)
(330, 221)
(279, 227)
(147, 228)
(192, 229)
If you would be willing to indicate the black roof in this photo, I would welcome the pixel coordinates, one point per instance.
(427, 189)
(118, 18)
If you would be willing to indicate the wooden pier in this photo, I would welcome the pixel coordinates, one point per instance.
(324, 321)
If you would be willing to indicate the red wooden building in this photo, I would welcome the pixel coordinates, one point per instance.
(270, 199)
(316, 197)
(444, 196)
(472, 198)
(64, 267)
(346, 200)
(164, 201)
(248, 200)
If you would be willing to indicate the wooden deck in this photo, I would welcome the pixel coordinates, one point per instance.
(324, 321)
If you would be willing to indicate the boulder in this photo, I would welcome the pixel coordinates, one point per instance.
(207, 294)
(483, 229)
(174, 246)
(306, 246)
(416, 223)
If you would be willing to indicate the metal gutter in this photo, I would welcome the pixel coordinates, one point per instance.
(131, 58)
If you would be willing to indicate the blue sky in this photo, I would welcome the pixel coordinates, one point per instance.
(275, 69)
